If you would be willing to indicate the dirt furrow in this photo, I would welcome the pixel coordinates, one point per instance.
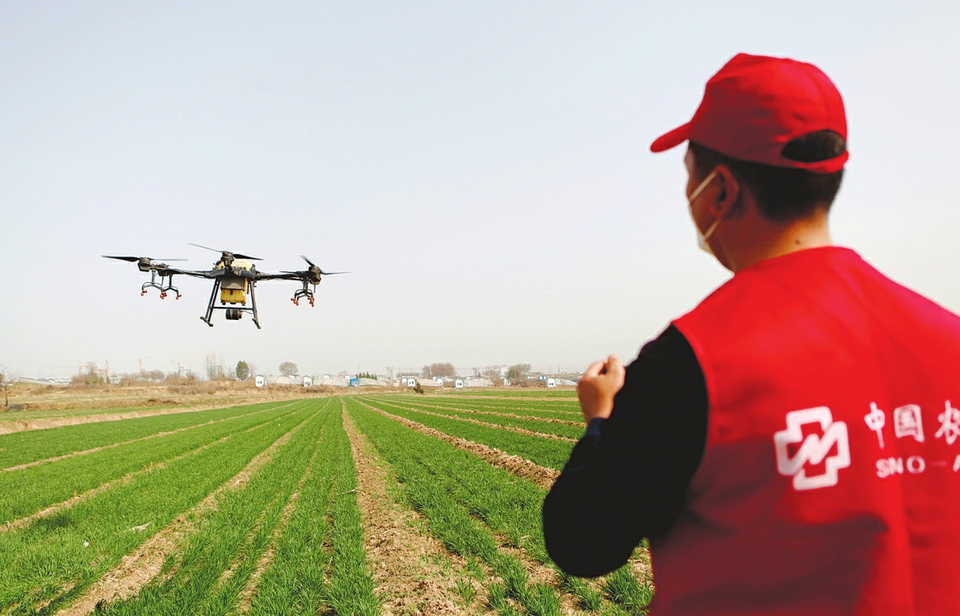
(542, 476)
(413, 571)
(143, 564)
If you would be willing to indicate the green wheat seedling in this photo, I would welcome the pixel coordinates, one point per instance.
(466, 590)
(624, 589)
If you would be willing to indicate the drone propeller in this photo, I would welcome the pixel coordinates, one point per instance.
(137, 259)
(312, 266)
(226, 254)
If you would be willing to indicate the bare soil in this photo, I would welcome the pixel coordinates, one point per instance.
(412, 570)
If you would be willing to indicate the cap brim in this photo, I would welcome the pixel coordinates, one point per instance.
(672, 139)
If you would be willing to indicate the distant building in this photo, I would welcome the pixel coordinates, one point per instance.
(259, 381)
(377, 382)
(333, 381)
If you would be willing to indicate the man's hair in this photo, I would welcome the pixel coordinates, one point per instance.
(784, 194)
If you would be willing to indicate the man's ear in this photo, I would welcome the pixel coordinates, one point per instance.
(728, 191)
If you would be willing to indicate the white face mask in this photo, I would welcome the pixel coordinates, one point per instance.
(701, 236)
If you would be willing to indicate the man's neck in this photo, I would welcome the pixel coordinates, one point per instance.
(777, 239)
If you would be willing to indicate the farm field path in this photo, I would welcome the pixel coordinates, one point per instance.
(413, 570)
(142, 565)
(540, 475)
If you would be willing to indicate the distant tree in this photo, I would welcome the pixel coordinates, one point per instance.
(7, 378)
(3, 384)
(435, 370)
(243, 370)
(518, 371)
(214, 367)
(288, 368)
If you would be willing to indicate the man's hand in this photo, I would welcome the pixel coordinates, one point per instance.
(597, 387)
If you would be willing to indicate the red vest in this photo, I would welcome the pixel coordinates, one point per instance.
(830, 482)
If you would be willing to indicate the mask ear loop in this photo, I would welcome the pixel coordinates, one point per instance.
(703, 184)
(703, 237)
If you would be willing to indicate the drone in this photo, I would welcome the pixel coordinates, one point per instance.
(234, 276)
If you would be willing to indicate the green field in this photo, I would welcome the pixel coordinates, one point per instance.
(359, 505)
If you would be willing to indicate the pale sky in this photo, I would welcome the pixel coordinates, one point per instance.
(482, 168)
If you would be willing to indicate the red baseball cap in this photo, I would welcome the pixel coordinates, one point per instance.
(754, 105)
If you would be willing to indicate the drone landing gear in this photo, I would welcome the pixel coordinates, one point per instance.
(232, 313)
(163, 287)
(304, 292)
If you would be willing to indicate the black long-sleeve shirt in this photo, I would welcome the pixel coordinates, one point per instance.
(627, 477)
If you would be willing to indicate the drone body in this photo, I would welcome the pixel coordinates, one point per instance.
(234, 276)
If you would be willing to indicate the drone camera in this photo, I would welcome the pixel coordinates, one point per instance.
(234, 314)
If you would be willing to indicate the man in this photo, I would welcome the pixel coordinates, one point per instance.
(790, 445)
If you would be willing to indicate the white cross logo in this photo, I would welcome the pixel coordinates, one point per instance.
(813, 449)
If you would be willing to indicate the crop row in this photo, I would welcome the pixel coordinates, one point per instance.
(27, 490)
(25, 447)
(562, 407)
(474, 508)
(568, 430)
(53, 560)
(312, 478)
(474, 406)
(550, 453)
(514, 393)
